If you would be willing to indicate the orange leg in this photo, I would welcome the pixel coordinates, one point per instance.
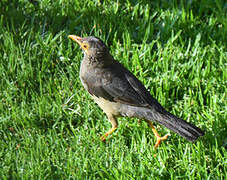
(159, 139)
(114, 124)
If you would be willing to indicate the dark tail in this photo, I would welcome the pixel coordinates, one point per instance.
(181, 127)
(161, 116)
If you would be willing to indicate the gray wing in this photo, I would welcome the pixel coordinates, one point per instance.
(117, 84)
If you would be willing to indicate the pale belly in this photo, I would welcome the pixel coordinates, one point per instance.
(107, 106)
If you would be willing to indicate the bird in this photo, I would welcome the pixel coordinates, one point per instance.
(120, 94)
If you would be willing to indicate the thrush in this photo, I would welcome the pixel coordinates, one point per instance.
(119, 93)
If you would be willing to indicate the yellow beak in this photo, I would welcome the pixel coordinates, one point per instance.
(76, 39)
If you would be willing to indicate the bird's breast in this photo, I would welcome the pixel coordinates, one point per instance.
(107, 106)
(85, 74)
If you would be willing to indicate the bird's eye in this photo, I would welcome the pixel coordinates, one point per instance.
(85, 46)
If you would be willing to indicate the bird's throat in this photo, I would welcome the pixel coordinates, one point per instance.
(98, 61)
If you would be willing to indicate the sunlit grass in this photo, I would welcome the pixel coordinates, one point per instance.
(49, 126)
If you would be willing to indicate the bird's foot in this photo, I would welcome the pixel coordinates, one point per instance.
(103, 138)
(159, 139)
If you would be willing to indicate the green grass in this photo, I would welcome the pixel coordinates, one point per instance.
(50, 127)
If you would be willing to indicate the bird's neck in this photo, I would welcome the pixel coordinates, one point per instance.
(99, 61)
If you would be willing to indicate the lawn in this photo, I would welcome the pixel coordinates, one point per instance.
(50, 128)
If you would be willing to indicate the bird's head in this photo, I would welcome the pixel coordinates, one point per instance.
(93, 48)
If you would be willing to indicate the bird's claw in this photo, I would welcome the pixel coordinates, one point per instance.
(103, 138)
(159, 139)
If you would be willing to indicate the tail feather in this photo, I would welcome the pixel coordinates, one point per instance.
(181, 127)
(161, 116)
